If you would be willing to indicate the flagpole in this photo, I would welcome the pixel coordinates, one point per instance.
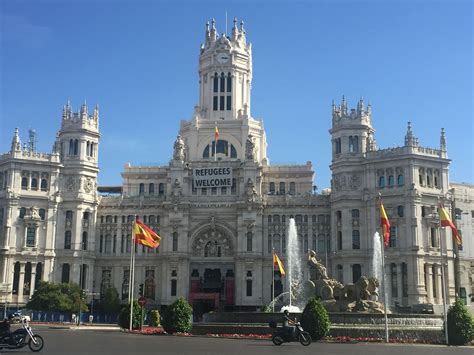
(384, 289)
(273, 280)
(132, 274)
(443, 280)
(215, 143)
(384, 281)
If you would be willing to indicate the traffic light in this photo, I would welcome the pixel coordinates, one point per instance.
(83, 294)
(140, 289)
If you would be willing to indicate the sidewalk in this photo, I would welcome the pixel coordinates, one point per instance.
(85, 326)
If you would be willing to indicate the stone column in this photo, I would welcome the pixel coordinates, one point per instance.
(439, 285)
(21, 283)
(33, 279)
(399, 283)
(429, 283)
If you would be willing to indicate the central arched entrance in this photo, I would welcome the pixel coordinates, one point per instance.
(211, 270)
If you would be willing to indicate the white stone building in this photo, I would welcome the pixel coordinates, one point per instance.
(221, 209)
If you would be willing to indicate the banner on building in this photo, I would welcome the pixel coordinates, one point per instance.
(212, 177)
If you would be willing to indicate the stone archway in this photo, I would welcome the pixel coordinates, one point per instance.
(213, 242)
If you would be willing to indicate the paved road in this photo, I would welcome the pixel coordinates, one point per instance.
(73, 342)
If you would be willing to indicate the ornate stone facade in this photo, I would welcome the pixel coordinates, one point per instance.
(221, 208)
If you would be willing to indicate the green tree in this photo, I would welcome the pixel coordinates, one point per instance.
(177, 317)
(460, 324)
(57, 297)
(124, 316)
(315, 319)
(111, 301)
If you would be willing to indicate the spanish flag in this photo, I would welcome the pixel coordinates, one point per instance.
(385, 223)
(445, 221)
(216, 134)
(143, 235)
(277, 262)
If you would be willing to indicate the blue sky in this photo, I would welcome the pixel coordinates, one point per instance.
(138, 60)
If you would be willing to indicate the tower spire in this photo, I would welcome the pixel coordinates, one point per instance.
(234, 30)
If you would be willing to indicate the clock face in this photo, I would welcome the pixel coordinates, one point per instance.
(222, 57)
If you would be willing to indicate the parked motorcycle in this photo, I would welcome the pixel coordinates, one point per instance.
(281, 335)
(21, 337)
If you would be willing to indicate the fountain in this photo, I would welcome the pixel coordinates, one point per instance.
(294, 270)
(376, 269)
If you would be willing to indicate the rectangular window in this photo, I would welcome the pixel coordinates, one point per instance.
(229, 103)
(174, 284)
(392, 242)
(221, 103)
(249, 288)
(213, 190)
(30, 236)
(214, 104)
(175, 241)
(67, 240)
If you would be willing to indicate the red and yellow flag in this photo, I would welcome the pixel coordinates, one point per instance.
(143, 235)
(278, 263)
(216, 134)
(445, 221)
(385, 223)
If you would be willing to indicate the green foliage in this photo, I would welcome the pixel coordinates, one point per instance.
(57, 297)
(154, 318)
(124, 316)
(460, 324)
(111, 301)
(177, 317)
(315, 319)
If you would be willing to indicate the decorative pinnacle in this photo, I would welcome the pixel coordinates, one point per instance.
(213, 24)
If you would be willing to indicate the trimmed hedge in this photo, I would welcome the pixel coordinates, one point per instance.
(460, 324)
(177, 317)
(315, 319)
(154, 318)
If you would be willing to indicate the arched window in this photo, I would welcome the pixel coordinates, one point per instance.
(84, 240)
(34, 183)
(44, 185)
(22, 212)
(31, 236)
(42, 213)
(67, 240)
(356, 272)
(282, 188)
(400, 211)
(216, 82)
(16, 278)
(337, 142)
(339, 240)
(65, 274)
(175, 241)
(151, 189)
(392, 242)
(355, 239)
(141, 189)
(24, 183)
(355, 214)
(421, 178)
(391, 181)
(161, 189)
(39, 274)
(272, 188)
(233, 151)
(276, 218)
(400, 180)
(27, 280)
(229, 82)
(340, 273)
(76, 146)
(222, 83)
(71, 146)
(292, 188)
(150, 284)
(393, 274)
(249, 241)
(381, 181)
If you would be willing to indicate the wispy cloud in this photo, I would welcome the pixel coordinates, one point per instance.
(23, 32)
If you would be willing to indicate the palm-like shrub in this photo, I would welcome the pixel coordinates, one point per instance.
(460, 324)
(177, 317)
(315, 319)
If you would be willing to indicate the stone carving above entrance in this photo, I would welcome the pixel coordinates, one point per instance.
(212, 243)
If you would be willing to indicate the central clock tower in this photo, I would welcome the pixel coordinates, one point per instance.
(225, 72)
